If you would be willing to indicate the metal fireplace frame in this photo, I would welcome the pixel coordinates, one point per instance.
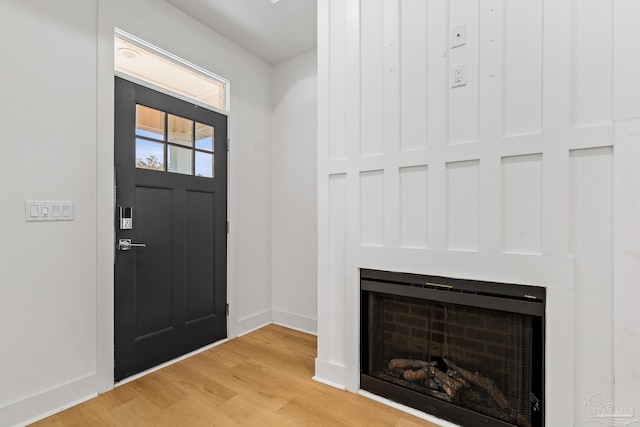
(513, 298)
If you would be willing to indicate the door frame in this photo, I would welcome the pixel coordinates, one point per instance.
(106, 206)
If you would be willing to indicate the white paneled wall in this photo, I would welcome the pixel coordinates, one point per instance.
(521, 200)
(372, 205)
(414, 199)
(591, 62)
(507, 178)
(462, 205)
(522, 91)
(591, 244)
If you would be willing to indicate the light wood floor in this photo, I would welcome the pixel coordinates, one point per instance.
(260, 379)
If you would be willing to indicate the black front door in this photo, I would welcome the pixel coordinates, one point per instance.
(171, 210)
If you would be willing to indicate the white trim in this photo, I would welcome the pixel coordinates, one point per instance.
(48, 402)
(180, 62)
(254, 322)
(166, 91)
(294, 321)
(329, 383)
(105, 199)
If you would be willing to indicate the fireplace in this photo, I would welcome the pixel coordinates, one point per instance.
(470, 352)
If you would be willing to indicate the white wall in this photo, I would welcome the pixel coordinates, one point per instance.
(294, 195)
(48, 132)
(509, 178)
(56, 290)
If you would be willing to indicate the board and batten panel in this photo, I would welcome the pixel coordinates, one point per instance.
(523, 68)
(438, 73)
(337, 83)
(521, 203)
(591, 244)
(627, 266)
(391, 88)
(462, 205)
(337, 253)
(591, 62)
(464, 100)
(413, 75)
(372, 208)
(371, 76)
(413, 206)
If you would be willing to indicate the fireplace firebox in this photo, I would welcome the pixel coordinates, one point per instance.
(471, 352)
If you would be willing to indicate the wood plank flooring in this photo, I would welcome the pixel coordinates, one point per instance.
(260, 379)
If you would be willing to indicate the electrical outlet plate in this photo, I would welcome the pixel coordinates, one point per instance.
(458, 75)
(458, 36)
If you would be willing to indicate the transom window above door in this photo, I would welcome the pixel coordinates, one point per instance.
(170, 143)
(148, 65)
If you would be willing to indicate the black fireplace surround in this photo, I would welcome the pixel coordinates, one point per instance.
(471, 352)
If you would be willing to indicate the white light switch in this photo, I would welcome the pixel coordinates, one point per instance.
(42, 210)
(459, 36)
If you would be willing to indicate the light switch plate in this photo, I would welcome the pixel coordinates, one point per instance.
(43, 210)
(458, 36)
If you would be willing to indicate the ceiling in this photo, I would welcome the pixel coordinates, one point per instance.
(272, 31)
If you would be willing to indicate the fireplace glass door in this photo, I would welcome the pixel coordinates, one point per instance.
(466, 363)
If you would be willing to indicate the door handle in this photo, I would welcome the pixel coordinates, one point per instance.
(125, 244)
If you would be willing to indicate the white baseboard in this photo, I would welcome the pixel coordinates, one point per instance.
(253, 322)
(44, 404)
(330, 374)
(329, 383)
(295, 321)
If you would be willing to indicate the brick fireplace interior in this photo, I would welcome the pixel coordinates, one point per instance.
(467, 351)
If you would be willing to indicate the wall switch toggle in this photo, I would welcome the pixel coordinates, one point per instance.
(41, 210)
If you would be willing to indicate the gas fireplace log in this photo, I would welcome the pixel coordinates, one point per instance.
(427, 378)
(402, 364)
(413, 386)
(484, 383)
(415, 375)
(450, 385)
(490, 388)
(428, 372)
(457, 376)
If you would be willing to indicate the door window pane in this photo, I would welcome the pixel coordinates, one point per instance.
(179, 160)
(204, 164)
(167, 142)
(149, 154)
(149, 122)
(204, 137)
(180, 130)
